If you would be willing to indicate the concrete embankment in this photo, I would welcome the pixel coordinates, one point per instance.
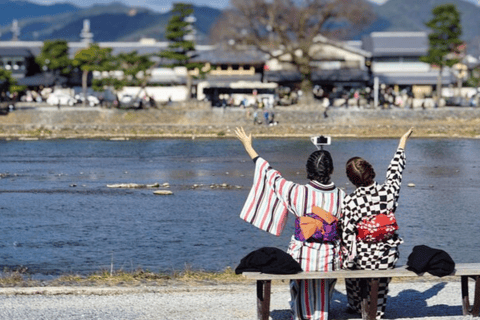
(200, 120)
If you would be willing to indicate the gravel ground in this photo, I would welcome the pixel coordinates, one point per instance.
(407, 300)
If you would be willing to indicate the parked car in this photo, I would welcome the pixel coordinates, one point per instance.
(130, 102)
(6, 107)
(457, 102)
(60, 99)
(91, 100)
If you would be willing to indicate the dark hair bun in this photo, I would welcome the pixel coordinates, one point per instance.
(320, 166)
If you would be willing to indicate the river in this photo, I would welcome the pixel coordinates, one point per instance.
(58, 216)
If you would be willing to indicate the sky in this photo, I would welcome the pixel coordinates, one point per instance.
(157, 5)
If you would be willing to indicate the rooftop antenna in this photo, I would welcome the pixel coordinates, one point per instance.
(15, 30)
(86, 35)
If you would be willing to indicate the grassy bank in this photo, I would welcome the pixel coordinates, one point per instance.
(187, 276)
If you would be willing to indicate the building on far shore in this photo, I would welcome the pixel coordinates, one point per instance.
(232, 75)
(396, 61)
(20, 61)
(392, 57)
(336, 64)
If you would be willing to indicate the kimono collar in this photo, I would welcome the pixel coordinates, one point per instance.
(323, 187)
(368, 189)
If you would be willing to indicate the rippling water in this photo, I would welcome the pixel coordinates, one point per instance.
(57, 215)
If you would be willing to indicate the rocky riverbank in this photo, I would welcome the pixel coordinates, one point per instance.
(200, 120)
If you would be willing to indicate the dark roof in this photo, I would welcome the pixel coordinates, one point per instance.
(219, 81)
(383, 44)
(40, 79)
(15, 52)
(339, 75)
(283, 76)
(220, 56)
(425, 78)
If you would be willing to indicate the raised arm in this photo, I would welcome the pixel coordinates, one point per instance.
(395, 169)
(404, 138)
(246, 140)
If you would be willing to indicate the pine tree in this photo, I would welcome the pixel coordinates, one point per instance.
(444, 40)
(54, 57)
(180, 32)
(91, 59)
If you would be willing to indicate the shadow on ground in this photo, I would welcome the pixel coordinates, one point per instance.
(408, 303)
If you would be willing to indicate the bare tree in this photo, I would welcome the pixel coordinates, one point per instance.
(287, 28)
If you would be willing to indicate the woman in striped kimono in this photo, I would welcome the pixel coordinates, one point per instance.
(267, 207)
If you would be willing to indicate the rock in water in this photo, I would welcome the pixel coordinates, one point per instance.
(133, 185)
(163, 192)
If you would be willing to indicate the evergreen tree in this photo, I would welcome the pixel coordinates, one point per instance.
(444, 40)
(180, 32)
(134, 66)
(91, 59)
(54, 57)
(8, 82)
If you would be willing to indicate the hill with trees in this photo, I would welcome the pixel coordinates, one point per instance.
(118, 22)
(112, 22)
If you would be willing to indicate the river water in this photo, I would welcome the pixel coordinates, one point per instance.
(58, 216)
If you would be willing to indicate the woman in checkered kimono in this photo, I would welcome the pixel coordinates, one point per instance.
(370, 198)
(267, 207)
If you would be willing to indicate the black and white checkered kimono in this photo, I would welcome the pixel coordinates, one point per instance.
(363, 202)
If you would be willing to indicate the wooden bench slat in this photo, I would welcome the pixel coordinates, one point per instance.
(461, 269)
(464, 270)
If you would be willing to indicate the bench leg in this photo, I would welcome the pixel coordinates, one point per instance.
(467, 310)
(263, 299)
(369, 310)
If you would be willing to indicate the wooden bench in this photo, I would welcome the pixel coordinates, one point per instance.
(463, 270)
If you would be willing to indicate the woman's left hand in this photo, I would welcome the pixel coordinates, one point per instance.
(246, 140)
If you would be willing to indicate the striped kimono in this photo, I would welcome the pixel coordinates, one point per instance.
(267, 207)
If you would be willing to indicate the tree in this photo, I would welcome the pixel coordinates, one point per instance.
(180, 33)
(474, 80)
(444, 40)
(287, 28)
(91, 59)
(54, 57)
(133, 66)
(8, 82)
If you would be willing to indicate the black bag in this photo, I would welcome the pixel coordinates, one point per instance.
(269, 260)
(434, 261)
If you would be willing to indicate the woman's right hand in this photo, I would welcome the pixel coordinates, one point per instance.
(404, 138)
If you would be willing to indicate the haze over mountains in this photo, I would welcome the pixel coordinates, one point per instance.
(119, 22)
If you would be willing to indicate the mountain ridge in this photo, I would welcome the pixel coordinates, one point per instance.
(118, 22)
(111, 22)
